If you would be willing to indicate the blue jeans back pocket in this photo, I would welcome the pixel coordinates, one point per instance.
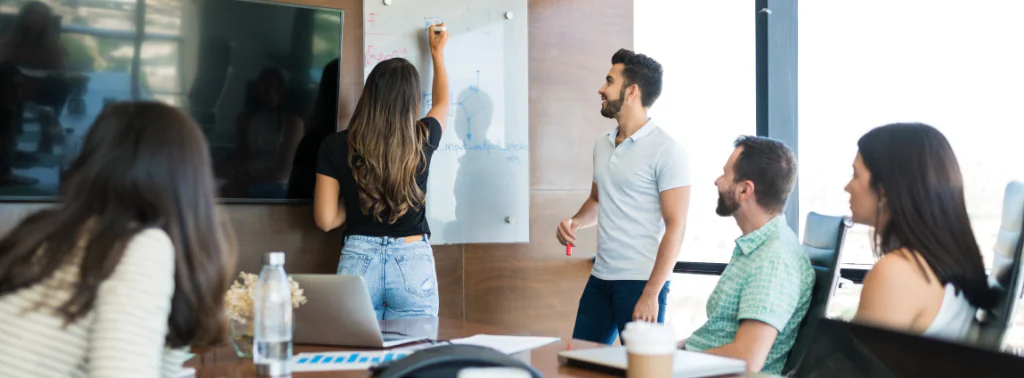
(353, 264)
(418, 274)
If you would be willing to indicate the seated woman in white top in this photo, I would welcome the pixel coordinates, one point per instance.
(930, 278)
(131, 268)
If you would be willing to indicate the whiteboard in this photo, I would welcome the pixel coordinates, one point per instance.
(479, 185)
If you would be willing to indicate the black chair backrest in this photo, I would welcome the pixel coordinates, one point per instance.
(851, 350)
(1006, 270)
(823, 243)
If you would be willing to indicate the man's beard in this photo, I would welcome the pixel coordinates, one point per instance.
(611, 107)
(727, 204)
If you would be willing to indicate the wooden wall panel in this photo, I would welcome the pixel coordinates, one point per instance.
(571, 46)
(448, 261)
(265, 228)
(534, 288)
(562, 134)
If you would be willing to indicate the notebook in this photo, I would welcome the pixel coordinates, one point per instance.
(686, 364)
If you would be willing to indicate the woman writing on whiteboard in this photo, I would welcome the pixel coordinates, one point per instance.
(378, 168)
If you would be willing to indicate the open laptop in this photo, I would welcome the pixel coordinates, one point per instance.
(685, 365)
(849, 350)
(338, 311)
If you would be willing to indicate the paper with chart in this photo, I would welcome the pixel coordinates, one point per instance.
(362, 360)
(329, 361)
(351, 360)
(479, 185)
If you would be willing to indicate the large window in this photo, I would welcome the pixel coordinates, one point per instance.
(954, 67)
(706, 103)
(957, 68)
(708, 100)
(687, 301)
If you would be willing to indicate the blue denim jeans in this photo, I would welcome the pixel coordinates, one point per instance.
(400, 276)
(606, 307)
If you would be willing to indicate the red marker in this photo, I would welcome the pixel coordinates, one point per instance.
(568, 246)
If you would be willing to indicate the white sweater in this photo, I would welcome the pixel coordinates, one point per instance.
(122, 336)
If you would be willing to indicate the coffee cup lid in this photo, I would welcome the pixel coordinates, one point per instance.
(649, 338)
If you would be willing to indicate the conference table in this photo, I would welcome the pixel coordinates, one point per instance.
(222, 362)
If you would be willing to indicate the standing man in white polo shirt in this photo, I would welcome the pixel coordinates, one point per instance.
(638, 200)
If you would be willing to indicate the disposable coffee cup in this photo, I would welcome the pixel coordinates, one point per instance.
(650, 350)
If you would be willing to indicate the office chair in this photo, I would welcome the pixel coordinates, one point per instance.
(852, 350)
(823, 243)
(1006, 270)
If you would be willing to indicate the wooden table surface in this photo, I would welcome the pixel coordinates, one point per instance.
(223, 363)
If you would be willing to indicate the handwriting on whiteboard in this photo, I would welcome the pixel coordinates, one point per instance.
(487, 147)
(434, 20)
(374, 56)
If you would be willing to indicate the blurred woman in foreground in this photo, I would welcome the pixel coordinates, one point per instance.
(131, 268)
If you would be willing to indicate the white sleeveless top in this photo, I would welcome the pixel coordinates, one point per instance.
(956, 314)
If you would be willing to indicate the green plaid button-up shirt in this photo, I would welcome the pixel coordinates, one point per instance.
(769, 279)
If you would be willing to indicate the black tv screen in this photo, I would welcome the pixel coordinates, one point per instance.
(249, 73)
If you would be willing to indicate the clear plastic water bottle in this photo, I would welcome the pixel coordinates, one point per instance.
(272, 339)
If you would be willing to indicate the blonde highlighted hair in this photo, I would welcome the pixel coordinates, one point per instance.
(386, 142)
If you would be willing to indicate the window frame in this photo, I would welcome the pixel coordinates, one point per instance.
(776, 44)
(138, 37)
(852, 272)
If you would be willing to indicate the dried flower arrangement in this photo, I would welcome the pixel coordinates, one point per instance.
(239, 299)
(239, 302)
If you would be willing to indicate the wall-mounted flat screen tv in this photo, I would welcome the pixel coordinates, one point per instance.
(260, 78)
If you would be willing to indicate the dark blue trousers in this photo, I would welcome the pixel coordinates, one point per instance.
(606, 307)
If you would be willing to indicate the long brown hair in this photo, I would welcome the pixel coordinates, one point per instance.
(23, 37)
(914, 166)
(386, 142)
(142, 165)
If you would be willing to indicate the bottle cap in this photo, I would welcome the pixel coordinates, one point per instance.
(273, 258)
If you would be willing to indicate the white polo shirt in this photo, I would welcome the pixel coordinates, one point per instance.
(630, 179)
